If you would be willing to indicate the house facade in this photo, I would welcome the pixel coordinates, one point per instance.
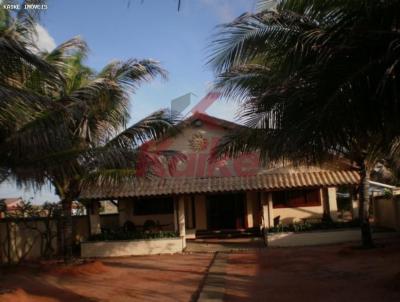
(229, 194)
(9, 205)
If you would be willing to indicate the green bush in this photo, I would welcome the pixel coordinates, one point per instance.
(306, 226)
(121, 234)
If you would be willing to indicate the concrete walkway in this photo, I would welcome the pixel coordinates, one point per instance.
(214, 284)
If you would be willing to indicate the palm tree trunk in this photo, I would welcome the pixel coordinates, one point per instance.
(366, 236)
(67, 229)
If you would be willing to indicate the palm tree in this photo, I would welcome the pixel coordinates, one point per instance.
(95, 145)
(19, 64)
(317, 80)
(75, 131)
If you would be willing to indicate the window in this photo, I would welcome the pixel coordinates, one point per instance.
(151, 206)
(296, 198)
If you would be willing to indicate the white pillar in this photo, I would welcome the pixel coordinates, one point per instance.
(270, 210)
(267, 210)
(354, 203)
(332, 203)
(181, 219)
(249, 209)
(94, 218)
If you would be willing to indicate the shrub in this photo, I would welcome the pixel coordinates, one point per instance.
(121, 234)
(306, 226)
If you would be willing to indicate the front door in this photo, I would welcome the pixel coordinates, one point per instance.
(225, 211)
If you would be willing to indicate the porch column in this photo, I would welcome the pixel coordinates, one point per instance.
(270, 210)
(181, 219)
(326, 211)
(250, 197)
(354, 203)
(332, 203)
(94, 218)
(267, 210)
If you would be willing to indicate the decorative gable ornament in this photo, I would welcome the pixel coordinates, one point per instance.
(198, 142)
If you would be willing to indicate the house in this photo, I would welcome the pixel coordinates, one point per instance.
(10, 204)
(78, 209)
(205, 194)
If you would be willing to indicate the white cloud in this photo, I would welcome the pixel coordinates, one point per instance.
(222, 9)
(9, 189)
(43, 40)
(228, 10)
(223, 109)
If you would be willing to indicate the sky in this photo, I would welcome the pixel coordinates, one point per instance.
(141, 29)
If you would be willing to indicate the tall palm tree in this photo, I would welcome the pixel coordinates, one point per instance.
(18, 64)
(317, 79)
(76, 129)
(95, 145)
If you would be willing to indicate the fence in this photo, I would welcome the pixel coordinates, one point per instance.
(28, 239)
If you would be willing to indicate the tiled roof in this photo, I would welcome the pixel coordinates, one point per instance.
(11, 202)
(141, 187)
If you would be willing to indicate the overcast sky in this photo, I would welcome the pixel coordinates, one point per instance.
(123, 29)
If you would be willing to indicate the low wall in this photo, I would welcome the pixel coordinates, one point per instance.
(320, 237)
(387, 212)
(101, 249)
(21, 240)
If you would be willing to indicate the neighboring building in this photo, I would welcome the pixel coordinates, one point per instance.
(10, 204)
(225, 194)
(108, 207)
(385, 205)
(78, 209)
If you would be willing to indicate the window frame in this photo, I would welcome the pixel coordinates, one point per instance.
(168, 210)
(291, 204)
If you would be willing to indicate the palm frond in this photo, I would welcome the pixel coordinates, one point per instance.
(152, 127)
(303, 70)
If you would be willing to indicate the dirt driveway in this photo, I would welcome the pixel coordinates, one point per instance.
(330, 273)
(326, 273)
(149, 278)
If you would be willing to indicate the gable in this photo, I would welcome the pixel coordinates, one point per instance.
(198, 135)
(196, 140)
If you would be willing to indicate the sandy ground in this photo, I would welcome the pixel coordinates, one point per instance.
(330, 273)
(326, 273)
(150, 278)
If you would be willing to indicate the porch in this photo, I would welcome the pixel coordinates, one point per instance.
(190, 206)
(213, 214)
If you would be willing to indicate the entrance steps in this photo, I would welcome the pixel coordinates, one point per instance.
(226, 234)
